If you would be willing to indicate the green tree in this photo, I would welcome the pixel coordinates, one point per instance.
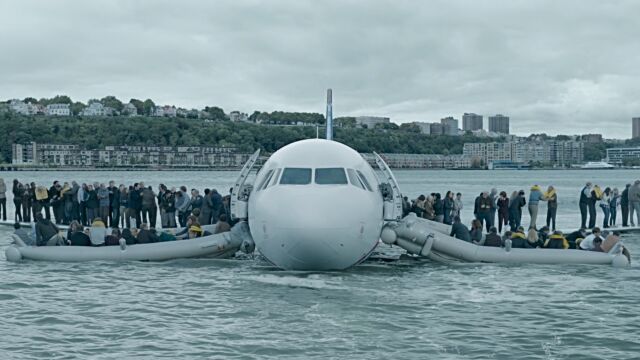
(77, 107)
(112, 102)
(216, 113)
(138, 104)
(147, 107)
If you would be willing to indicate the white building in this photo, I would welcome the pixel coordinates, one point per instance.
(130, 109)
(94, 109)
(372, 121)
(552, 153)
(617, 156)
(23, 108)
(165, 111)
(58, 109)
(238, 116)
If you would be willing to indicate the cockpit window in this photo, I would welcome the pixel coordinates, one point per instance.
(331, 176)
(355, 181)
(265, 180)
(275, 178)
(364, 180)
(295, 176)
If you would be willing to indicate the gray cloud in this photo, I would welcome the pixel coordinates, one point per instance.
(553, 66)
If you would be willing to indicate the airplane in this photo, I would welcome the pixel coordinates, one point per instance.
(316, 204)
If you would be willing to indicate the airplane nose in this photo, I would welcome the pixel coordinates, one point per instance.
(317, 249)
(319, 231)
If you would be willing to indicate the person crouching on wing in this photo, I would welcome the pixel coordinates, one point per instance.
(47, 233)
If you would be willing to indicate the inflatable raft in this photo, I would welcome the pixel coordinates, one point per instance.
(431, 239)
(214, 246)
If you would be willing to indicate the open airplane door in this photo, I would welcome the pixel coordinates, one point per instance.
(390, 192)
(241, 191)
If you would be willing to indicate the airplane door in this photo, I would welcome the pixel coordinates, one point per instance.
(241, 191)
(390, 192)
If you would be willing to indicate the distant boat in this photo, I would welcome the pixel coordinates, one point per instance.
(597, 165)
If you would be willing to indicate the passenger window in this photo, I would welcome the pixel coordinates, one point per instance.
(364, 180)
(355, 181)
(331, 176)
(265, 180)
(295, 176)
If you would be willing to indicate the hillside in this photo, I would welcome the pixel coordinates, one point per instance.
(96, 132)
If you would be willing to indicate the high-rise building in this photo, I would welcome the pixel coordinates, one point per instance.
(636, 127)
(499, 124)
(449, 125)
(471, 122)
(436, 129)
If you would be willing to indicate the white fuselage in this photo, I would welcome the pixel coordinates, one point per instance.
(316, 206)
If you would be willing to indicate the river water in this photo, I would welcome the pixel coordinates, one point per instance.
(245, 309)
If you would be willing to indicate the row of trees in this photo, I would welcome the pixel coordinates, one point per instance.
(95, 133)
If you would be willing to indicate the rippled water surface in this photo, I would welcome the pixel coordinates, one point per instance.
(246, 309)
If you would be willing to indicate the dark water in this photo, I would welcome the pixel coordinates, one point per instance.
(201, 309)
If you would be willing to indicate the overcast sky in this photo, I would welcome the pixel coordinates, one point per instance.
(552, 66)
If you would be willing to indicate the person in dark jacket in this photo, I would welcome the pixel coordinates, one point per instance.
(114, 204)
(492, 238)
(438, 207)
(476, 232)
(448, 205)
(593, 200)
(573, 238)
(134, 204)
(57, 206)
(624, 205)
(207, 208)
(124, 204)
(36, 206)
(459, 230)
(196, 200)
(169, 204)
(149, 208)
(3, 199)
(17, 191)
(47, 232)
(113, 239)
(484, 210)
(128, 237)
(552, 207)
(503, 210)
(92, 203)
(147, 236)
(217, 204)
(556, 241)
(585, 196)
(519, 239)
(515, 209)
(476, 206)
(77, 236)
(75, 208)
(26, 203)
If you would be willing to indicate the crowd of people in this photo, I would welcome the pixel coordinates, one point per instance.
(497, 211)
(136, 208)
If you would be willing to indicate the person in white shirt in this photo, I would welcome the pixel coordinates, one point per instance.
(588, 242)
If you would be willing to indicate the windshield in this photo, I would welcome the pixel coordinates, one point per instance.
(331, 176)
(295, 176)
